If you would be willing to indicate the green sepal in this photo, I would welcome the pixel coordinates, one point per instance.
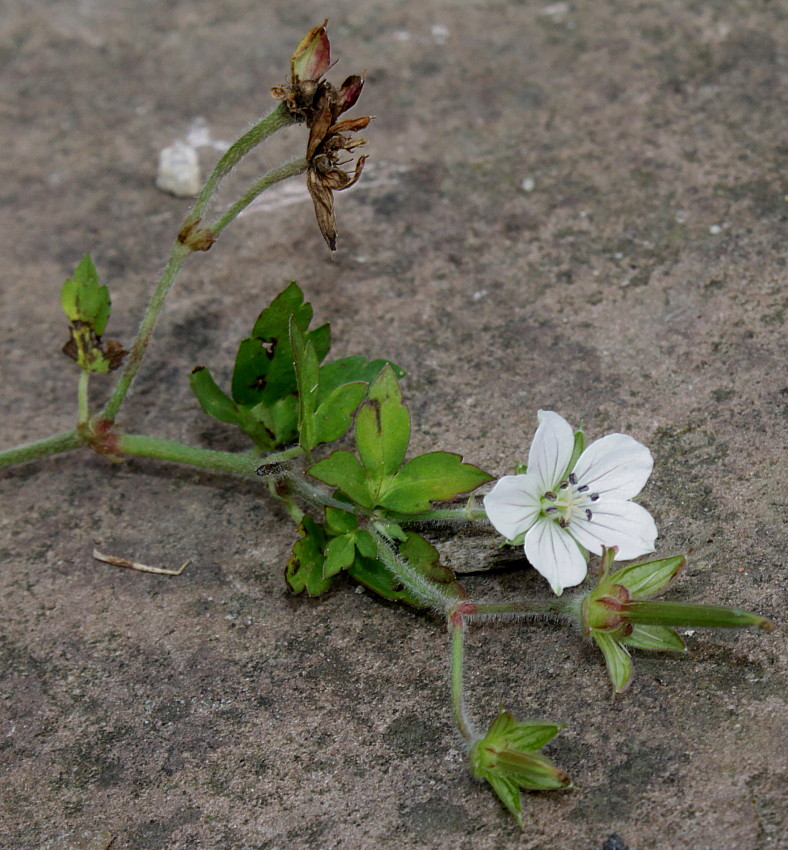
(382, 429)
(577, 449)
(350, 370)
(642, 580)
(688, 614)
(617, 660)
(339, 555)
(430, 477)
(304, 570)
(84, 299)
(508, 792)
(343, 470)
(332, 417)
(655, 639)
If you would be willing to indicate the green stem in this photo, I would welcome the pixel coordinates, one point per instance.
(157, 447)
(55, 444)
(142, 340)
(543, 607)
(83, 406)
(287, 500)
(281, 172)
(442, 515)
(276, 119)
(457, 629)
(419, 585)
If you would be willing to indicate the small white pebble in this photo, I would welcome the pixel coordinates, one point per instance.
(528, 184)
(179, 171)
(440, 33)
(479, 294)
(689, 632)
(715, 229)
(358, 589)
(555, 10)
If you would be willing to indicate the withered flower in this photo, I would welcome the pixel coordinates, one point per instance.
(310, 98)
(326, 175)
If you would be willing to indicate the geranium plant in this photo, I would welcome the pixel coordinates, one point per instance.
(357, 506)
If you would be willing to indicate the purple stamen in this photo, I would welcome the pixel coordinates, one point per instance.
(588, 514)
(582, 488)
(594, 497)
(572, 478)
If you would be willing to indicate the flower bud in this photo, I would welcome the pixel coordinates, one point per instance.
(312, 57)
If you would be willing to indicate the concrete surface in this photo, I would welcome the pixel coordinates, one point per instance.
(576, 206)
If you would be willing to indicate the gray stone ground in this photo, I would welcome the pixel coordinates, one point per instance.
(639, 286)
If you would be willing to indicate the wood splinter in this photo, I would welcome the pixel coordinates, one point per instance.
(134, 565)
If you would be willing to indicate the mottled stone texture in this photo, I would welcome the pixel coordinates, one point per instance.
(634, 282)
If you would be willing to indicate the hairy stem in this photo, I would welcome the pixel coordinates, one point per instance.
(55, 444)
(140, 345)
(281, 172)
(275, 120)
(83, 405)
(442, 515)
(419, 585)
(157, 447)
(457, 630)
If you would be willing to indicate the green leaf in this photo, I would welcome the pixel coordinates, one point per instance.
(375, 577)
(349, 370)
(332, 417)
(340, 554)
(430, 477)
(274, 321)
(307, 377)
(619, 664)
(84, 300)
(340, 522)
(655, 638)
(365, 543)
(642, 580)
(382, 429)
(213, 400)
(264, 370)
(343, 470)
(424, 557)
(304, 570)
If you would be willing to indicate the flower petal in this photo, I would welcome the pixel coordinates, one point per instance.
(617, 465)
(551, 450)
(513, 505)
(626, 525)
(552, 552)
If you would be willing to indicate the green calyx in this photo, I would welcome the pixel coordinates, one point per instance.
(507, 758)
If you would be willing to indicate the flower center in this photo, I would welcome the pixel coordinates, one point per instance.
(570, 501)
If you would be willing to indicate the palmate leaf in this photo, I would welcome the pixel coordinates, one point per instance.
(344, 470)
(264, 368)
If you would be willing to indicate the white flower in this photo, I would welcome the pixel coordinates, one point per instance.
(561, 509)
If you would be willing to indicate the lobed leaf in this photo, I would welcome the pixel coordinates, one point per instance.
(382, 429)
(430, 477)
(343, 470)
